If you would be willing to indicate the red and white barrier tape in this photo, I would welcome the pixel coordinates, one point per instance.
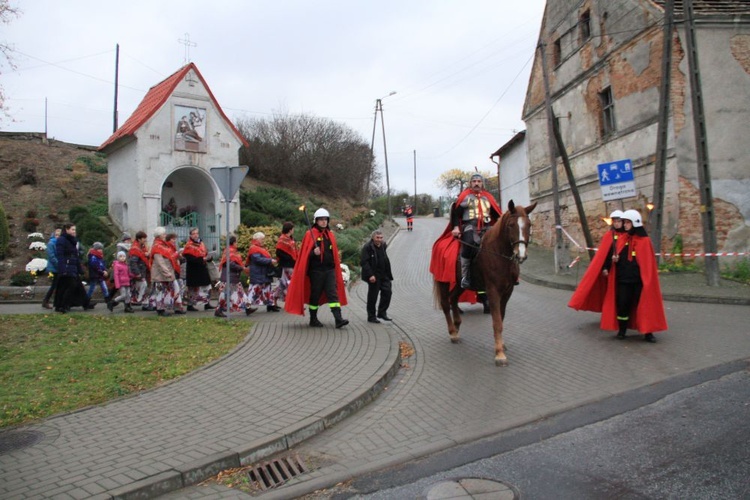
(663, 254)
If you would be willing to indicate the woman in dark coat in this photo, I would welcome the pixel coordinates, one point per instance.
(70, 289)
(197, 278)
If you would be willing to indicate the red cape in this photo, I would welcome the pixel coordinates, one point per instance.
(299, 287)
(445, 252)
(648, 315)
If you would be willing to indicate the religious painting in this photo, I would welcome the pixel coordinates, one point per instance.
(190, 129)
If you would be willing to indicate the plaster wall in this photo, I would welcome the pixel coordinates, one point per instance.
(514, 176)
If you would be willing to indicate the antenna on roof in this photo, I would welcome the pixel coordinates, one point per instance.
(187, 43)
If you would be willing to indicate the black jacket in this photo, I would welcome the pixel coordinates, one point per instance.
(374, 262)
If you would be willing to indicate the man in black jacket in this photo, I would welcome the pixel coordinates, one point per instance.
(376, 271)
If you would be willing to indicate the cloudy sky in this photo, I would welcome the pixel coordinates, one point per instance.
(459, 68)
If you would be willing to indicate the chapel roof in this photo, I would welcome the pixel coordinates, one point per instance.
(155, 99)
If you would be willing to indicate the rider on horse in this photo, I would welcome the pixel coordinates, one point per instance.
(474, 211)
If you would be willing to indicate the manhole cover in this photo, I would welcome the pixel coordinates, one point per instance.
(472, 488)
(18, 440)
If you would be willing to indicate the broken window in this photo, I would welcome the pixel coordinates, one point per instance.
(608, 112)
(585, 25)
(557, 53)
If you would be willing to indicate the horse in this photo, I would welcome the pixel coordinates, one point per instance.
(495, 269)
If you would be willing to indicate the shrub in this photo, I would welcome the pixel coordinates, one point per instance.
(89, 229)
(739, 271)
(4, 233)
(96, 164)
(30, 225)
(21, 278)
(77, 213)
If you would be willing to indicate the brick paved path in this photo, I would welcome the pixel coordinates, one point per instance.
(559, 359)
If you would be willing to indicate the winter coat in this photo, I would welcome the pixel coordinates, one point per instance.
(68, 261)
(51, 255)
(260, 264)
(371, 265)
(121, 274)
(97, 266)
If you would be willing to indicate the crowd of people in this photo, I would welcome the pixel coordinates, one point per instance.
(621, 282)
(169, 280)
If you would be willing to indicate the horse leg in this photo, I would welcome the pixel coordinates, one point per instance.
(497, 310)
(455, 337)
(446, 306)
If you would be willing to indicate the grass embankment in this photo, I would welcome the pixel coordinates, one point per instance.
(52, 364)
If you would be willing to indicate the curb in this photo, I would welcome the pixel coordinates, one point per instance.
(201, 469)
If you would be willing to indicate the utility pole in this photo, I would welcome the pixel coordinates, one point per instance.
(379, 108)
(662, 135)
(701, 148)
(562, 258)
(574, 190)
(117, 77)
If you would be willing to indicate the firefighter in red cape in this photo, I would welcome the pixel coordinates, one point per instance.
(622, 282)
(474, 211)
(317, 278)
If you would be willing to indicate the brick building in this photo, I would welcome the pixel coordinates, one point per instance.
(604, 67)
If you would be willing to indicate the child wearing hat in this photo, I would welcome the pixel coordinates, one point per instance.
(122, 282)
(97, 270)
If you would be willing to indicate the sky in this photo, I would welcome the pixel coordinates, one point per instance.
(459, 69)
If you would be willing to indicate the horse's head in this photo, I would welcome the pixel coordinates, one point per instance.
(519, 230)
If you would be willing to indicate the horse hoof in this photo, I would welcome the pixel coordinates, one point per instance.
(455, 340)
(501, 362)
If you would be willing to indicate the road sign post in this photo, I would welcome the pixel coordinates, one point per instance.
(616, 180)
(228, 180)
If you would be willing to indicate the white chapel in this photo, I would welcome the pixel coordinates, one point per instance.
(159, 161)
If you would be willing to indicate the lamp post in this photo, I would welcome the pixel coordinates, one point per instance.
(379, 108)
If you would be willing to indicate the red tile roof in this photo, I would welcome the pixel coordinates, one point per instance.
(155, 99)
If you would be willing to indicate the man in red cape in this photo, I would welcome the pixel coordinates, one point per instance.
(647, 312)
(474, 206)
(317, 272)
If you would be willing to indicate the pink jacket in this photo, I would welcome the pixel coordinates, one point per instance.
(122, 275)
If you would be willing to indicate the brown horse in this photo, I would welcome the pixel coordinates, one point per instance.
(495, 269)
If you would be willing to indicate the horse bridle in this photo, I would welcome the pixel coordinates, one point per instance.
(513, 243)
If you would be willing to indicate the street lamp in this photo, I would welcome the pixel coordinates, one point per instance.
(379, 108)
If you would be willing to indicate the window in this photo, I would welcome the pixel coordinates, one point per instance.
(608, 112)
(585, 25)
(557, 53)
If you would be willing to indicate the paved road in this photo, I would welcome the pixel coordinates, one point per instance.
(446, 394)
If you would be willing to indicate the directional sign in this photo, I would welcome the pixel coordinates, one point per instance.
(616, 180)
(229, 179)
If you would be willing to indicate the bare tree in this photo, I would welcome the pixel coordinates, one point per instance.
(302, 150)
(7, 14)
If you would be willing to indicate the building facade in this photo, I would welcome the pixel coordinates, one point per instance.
(603, 63)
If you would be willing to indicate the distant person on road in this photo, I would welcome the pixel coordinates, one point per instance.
(261, 264)
(51, 267)
(97, 271)
(286, 255)
(317, 274)
(633, 298)
(376, 271)
(409, 214)
(197, 277)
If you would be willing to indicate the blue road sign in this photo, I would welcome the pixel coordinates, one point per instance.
(616, 179)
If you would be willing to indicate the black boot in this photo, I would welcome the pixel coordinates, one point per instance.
(465, 273)
(623, 328)
(128, 308)
(340, 322)
(314, 318)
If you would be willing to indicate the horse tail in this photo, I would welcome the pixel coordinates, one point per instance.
(436, 294)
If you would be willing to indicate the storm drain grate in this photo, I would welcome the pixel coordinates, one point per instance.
(18, 440)
(276, 472)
